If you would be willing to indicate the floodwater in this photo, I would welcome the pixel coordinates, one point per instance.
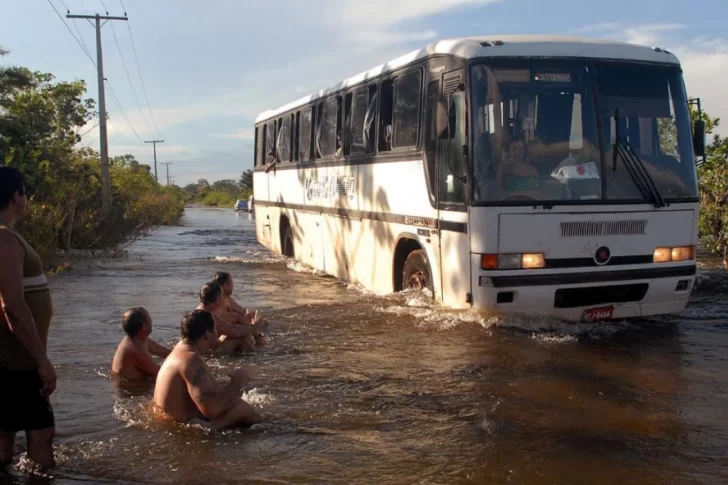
(367, 389)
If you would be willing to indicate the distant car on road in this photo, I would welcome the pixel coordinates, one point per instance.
(241, 205)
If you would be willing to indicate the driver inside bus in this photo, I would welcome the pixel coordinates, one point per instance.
(515, 163)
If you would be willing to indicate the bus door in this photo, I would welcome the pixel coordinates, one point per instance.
(451, 142)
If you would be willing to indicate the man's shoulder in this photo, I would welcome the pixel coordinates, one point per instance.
(184, 359)
(9, 240)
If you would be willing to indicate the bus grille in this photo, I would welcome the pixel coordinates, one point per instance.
(603, 228)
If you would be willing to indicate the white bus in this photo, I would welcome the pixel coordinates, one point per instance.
(514, 174)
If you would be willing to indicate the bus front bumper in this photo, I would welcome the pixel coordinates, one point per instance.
(599, 294)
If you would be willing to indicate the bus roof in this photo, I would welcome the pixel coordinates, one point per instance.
(500, 46)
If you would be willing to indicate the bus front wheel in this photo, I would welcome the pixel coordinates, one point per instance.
(288, 242)
(416, 274)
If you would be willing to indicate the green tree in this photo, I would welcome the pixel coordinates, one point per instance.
(246, 180)
(40, 122)
(713, 179)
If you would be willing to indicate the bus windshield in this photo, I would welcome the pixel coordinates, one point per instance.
(536, 126)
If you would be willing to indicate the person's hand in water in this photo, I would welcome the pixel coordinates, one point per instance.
(240, 378)
(259, 321)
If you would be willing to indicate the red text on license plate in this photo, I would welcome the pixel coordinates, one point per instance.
(599, 313)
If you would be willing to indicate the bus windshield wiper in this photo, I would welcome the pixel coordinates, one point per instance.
(636, 168)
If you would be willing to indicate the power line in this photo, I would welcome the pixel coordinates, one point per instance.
(65, 6)
(123, 113)
(80, 36)
(84, 48)
(139, 71)
(128, 77)
(104, 5)
(72, 34)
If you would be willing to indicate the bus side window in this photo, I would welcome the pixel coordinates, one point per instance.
(452, 165)
(317, 132)
(305, 135)
(359, 111)
(346, 130)
(283, 147)
(330, 122)
(406, 119)
(371, 114)
(433, 95)
(257, 157)
(270, 142)
(385, 116)
(297, 137)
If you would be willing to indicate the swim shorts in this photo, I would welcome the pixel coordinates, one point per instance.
(22, 406)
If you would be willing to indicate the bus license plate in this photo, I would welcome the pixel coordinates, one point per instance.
(598, 313)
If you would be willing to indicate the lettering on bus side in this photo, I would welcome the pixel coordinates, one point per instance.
(331, 186)
(419, 221)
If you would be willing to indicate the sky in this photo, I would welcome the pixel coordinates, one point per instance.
(208, 68)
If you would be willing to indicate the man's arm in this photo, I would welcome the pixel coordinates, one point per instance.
(18, 315)
(144, 362)
(158, 350)
(207, 394)
(233, 331)
(237, 308)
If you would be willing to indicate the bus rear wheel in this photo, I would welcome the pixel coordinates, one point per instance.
(416, 274)
(288, 242)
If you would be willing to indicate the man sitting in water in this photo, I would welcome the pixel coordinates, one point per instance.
(186, 389)
(225, 280)
(236, 333)
(133, 360)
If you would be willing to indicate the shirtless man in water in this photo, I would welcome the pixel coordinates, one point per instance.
(186, 389)
(225, 280)
(236, 332)
(133, 360)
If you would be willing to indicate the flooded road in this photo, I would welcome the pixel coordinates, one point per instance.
(367, 389)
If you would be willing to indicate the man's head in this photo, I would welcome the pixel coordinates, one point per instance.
(211, 295)
(198, 328)
(12, 192)
(136, 322)
(225, 280)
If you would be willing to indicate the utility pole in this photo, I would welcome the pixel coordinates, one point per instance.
(155, 156)
(105, 174)
(167, 164)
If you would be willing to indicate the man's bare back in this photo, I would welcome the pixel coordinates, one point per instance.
(133, 360)
(187, 390)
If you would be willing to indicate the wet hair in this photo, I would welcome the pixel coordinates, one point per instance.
(221, 277)
(210, 292)
(11, 181)
(195, 324)
(133, 319)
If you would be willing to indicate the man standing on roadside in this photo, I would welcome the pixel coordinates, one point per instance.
(27, 377)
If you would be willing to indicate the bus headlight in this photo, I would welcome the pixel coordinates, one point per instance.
(666, 255)
(533, 261)
(512, 261)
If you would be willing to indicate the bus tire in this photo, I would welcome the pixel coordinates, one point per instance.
(416, 274)
(288, 243)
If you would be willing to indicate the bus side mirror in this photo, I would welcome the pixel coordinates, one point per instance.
(699, 138)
